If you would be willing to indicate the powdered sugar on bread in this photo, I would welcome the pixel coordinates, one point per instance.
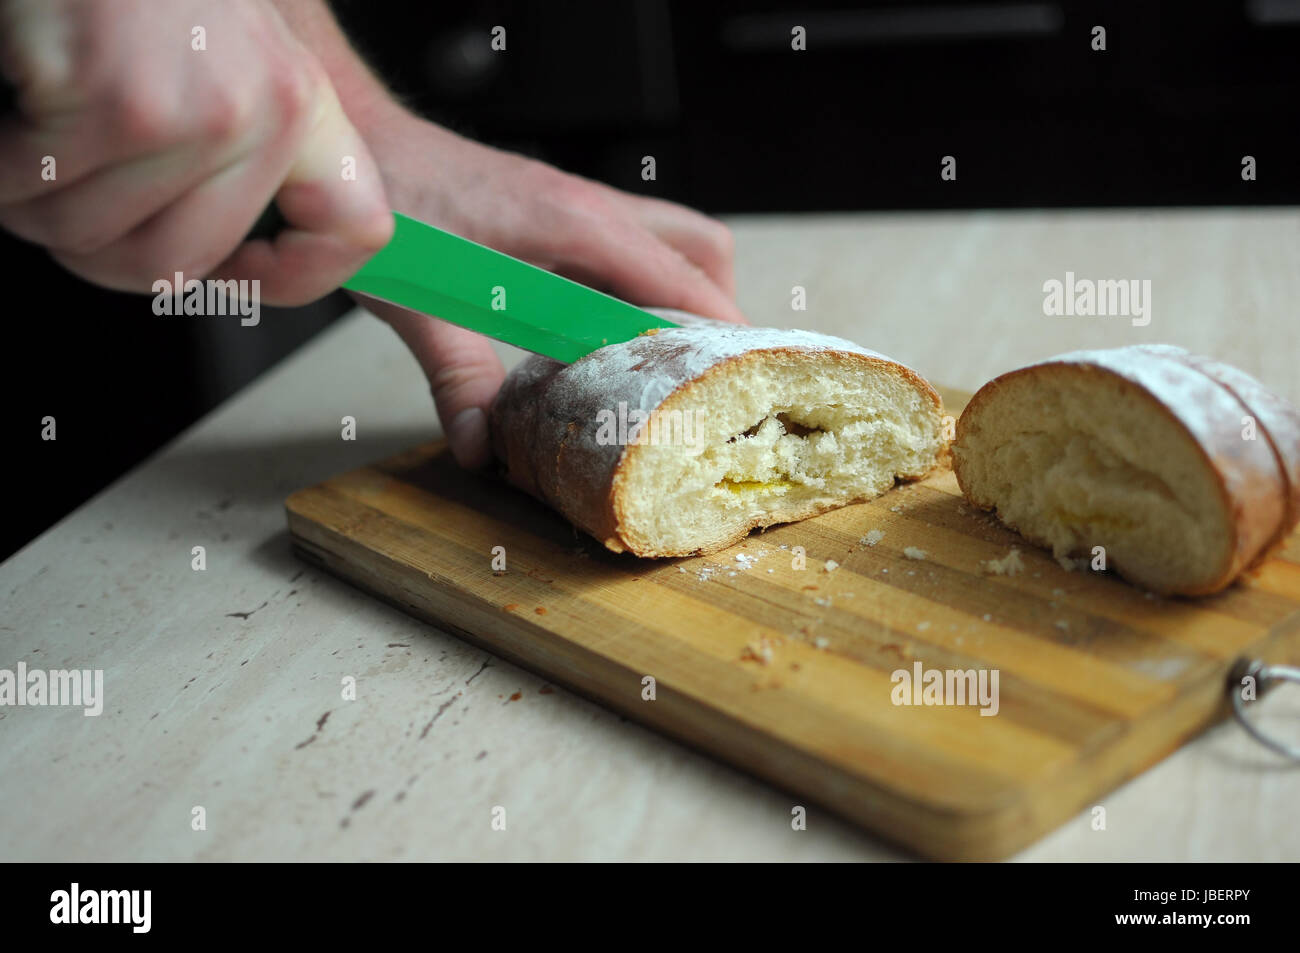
(1134, 450)
(797, 423)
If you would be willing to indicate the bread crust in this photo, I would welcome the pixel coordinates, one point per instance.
(1246, 473)
(543, 421)
(1277, 423)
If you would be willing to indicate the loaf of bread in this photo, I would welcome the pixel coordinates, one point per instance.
(683, 441)
(1185, 470)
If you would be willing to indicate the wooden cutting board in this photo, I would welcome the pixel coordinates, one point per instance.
(789, 673)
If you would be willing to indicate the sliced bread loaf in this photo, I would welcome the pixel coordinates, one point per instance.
(683, 441)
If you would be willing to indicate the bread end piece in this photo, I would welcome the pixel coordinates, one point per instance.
(1131, 450)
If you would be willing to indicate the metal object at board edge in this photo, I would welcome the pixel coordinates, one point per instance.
(1264, 676)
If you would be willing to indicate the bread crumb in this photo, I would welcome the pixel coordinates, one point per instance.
(873, 537)
(1068, 564)
(895, 509)
(1062, 625)
(1009, 565)
(649, 332)
(832, 565)
(821, 642)
(911, 552)
(759, 650)
(771, 570)
(823, 602)
(922, 626)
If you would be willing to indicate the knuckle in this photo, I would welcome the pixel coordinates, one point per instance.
(143, 116)
(225, 116)
(292, 91)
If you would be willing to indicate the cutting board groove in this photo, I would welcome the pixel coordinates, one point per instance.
(1097, 680)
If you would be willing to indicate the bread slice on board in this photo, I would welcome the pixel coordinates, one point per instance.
(682, 442)
(1183, 470)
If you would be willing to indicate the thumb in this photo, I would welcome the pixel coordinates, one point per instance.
(336, 211)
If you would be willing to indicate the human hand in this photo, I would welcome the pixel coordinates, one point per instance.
(166, 155)
(647, 251)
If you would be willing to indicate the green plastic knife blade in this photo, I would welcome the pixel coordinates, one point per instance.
(435, 272)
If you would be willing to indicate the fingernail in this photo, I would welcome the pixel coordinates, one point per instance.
(468, 435)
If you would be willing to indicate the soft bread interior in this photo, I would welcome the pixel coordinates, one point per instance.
(1079, 458)
(784, 435)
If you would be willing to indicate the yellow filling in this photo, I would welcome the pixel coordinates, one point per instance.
(755, 486)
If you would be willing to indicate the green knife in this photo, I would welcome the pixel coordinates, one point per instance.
(435, 272)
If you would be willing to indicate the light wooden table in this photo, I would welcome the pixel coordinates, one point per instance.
(243, 716)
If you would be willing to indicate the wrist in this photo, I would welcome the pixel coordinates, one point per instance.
(368, 103)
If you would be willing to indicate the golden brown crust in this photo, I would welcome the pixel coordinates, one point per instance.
(543, 420)
(1277, 423)
(1249, 484)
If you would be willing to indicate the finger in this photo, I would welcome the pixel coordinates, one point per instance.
(704, 241)
(334, 202)
(335, 224)
(67, 129)
(464, 374)
(37, 162)
(632, 263)
(105, 205)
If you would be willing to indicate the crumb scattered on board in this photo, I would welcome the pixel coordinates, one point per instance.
(832, 565)
(912, 552)
(1009, 565)
(1070, 565)
(759, 650)
(873, 537)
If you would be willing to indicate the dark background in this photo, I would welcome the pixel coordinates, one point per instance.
(737, 122)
